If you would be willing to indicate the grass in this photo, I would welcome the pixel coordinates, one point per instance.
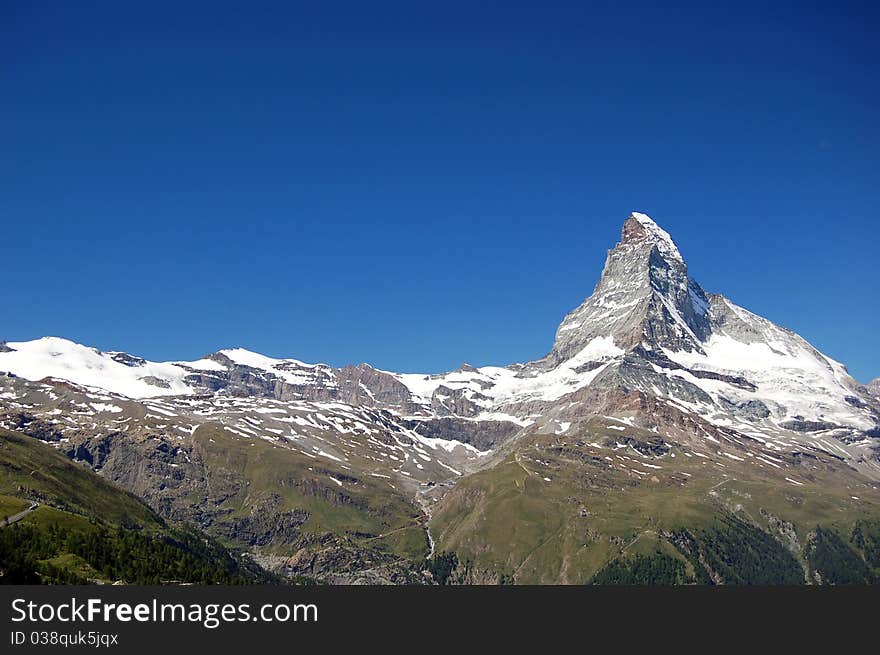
(45, 517)
(247, 480)
(10, 505)
(31, 469)
(361, 509)
(76, 565)
(77, 503)
(510, 519)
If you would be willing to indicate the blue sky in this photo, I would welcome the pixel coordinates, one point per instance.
(417, 185)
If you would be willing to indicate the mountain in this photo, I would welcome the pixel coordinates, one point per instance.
(62, 523)
(873, 387)
(662, 414)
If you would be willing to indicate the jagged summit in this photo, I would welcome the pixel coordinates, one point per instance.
(644, 296)
(641, 228)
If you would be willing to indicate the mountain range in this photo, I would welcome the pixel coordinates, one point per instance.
(668, 436)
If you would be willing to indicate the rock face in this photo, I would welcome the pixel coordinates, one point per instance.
(360, 385)
(644, 295)
(128, 360)
(873, 387)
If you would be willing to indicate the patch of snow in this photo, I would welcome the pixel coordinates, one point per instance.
(105, 407)
(661, 237)
(203, 365)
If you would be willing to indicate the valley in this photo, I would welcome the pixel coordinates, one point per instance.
(668, 437)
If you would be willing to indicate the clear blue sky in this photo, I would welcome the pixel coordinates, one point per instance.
(420, 184)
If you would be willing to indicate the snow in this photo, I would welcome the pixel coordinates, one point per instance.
(445, 444)
(250, 358)
(302, 374)
(792, 377)
(203, 365)
(446, 466)
(324, 453)
(64, 359)
(105, 407)
(421, 386)
(664, 241)
(504, 385)
(503, 417)
(725, 352)
(161, 410)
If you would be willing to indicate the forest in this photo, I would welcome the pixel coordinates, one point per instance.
(59, 554)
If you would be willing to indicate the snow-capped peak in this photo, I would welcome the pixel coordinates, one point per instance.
(256, 360)
(640, 296)
(53, 357)
(648, 229)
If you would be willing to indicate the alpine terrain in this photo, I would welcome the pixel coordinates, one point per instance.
(669, 436)
(873, 387)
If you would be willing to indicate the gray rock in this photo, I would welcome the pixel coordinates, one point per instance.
(156, 382)
(799, 425)
(751, 410)
(483, 435)
(644, 294)
(128, 360)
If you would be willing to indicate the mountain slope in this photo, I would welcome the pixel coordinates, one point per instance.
(652, 346)
(560, 508)
(79, 528)
(32, 471)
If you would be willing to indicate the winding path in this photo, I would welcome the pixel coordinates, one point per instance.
(18, 517)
